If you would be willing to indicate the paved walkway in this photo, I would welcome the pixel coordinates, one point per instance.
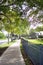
(12, 56)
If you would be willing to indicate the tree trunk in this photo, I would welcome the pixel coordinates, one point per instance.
(8, 38)
(18, 36)
(11, 37)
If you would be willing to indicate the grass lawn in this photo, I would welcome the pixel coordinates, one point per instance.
(2, 36)
(4, 46)
(36, 41)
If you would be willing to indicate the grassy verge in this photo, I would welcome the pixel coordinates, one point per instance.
(26, 58)
(4, 46)
(2, 36)
(36, 41)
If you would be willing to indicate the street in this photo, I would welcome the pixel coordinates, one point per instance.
(4, 41)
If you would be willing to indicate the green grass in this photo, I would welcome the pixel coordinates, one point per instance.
(2, 36)
(6, 44)
(36, 41)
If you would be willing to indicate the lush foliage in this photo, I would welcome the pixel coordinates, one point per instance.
(20, 2)
(39, 28)
(2, 36)
(11, 12)
(36, 41)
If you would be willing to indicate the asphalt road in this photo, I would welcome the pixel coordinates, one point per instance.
(4, 41)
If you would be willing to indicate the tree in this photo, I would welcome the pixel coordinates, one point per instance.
(19, 2)
(13, 23)
(39, 28)
(13, 10)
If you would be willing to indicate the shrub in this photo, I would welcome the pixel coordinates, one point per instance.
(40, 36)
(2, 36)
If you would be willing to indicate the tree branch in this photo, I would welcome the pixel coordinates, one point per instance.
(6, 16)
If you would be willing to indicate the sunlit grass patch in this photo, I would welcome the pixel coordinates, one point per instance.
(6, 44)
(36, 41)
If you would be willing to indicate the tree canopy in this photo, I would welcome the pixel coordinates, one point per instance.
(12, 13)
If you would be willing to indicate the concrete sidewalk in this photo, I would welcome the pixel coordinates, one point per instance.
(12, 56)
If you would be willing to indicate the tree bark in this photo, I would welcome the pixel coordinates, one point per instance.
(8, 38)
(11, 37)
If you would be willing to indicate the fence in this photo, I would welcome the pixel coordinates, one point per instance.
(34, 51)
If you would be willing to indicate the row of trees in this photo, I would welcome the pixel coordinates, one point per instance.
(10, 20)
(11, 15)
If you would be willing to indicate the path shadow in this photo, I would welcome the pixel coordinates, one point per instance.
(2, 50)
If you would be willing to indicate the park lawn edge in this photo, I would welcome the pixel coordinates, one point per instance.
(6, 44)
(3, 48)
(34, 41)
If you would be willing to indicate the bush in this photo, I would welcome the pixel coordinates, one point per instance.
(40, 36)
(2, 36)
